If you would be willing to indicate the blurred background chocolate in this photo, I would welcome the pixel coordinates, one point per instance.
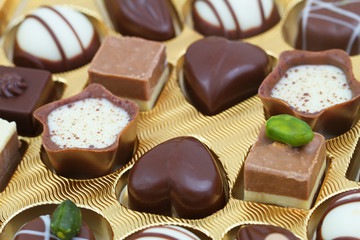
(234, 19)
(337, 21)
(149, 19)
(55, 38)
(264, 232)
(22, 91)
(218, 79)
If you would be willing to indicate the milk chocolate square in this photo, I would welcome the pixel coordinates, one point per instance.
(131, 68)
(22, 90)
(276, 173)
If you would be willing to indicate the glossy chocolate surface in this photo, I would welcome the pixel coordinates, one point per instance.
(277, 168)
(129, 67)
(264, 232)
(22, 56)
(331, 121)
(149, 19)
(90, 163)
(342, 222)
(336, 21)
(179, 174)
(218, 79)
(166, 232)
(17, 102)
(39, 229)
(209, 29)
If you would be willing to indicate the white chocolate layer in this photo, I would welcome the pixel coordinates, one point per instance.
(88, 123)
(8, 129)
(248, 13)
(34, 38)
(312, 88)
(286, 201)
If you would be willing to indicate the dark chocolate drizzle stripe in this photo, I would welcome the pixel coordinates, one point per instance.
(217, 16)
(335, 203)
(162, 235)
(56, 40)
(262, 15)
(236, 21)
(83, 53)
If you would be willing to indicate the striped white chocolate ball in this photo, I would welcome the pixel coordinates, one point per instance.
(88, 123)
(8, 129)
(312, 88)
(165, 232)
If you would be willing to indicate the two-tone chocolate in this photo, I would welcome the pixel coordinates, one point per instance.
(234, 19)
(9, 151)
(264, 232)
(277, 173)
(55, 38)
(22, 91)
(131, 68)
(90, 134)
(39, 229)
(179, 176)
(329, 102)
(146, 19)
(218, 79)
(336, 21)
(340, 219)
(166, 232)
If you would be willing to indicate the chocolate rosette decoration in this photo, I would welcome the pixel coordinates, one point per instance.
(11, 85)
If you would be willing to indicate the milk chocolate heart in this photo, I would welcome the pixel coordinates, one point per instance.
(219, 73)
(179, 175)
(150, 19)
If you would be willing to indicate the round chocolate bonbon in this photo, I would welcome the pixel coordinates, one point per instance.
(234, 19)
(166, 232)
(264, 232)
(55, 38)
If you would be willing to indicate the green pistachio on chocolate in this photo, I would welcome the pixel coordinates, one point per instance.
(288, 129)
(66, 220)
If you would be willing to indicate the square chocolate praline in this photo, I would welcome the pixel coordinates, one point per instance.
(277, 173)
(131, 68)
(39, 90)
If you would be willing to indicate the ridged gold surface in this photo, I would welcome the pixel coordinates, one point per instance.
(229, 135)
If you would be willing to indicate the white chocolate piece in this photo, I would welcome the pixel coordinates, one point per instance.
(34, 38)
(88, 123)
(276, 236)
(312, 88)
(8, 129)
(247, 13)
(343, 219)
(166, 232)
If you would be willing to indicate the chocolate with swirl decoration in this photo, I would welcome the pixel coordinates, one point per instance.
(337, 21)
(264, 232)
(22, 90)
(11, 84)
(234, 19)
(166, 232)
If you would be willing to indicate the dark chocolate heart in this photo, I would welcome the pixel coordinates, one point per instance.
(219, 73)
(179, 174)
(150, 19)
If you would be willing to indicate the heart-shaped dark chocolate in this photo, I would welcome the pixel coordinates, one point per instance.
(219, 73)
(179, 175)
(149, 19)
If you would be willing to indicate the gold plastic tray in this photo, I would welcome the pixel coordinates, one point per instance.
(35, 190)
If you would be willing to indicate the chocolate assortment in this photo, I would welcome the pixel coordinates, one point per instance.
(199, 151)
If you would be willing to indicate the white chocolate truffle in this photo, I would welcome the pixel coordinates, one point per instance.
(88, 123)
(342, 217)
(55, 38)
(312, 88)
(165, 232)
(8, 129)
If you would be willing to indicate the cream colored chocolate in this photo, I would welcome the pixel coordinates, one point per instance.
(276, 173)
(131, 68)
(312, 88)
(9, 153)
(89, 123)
